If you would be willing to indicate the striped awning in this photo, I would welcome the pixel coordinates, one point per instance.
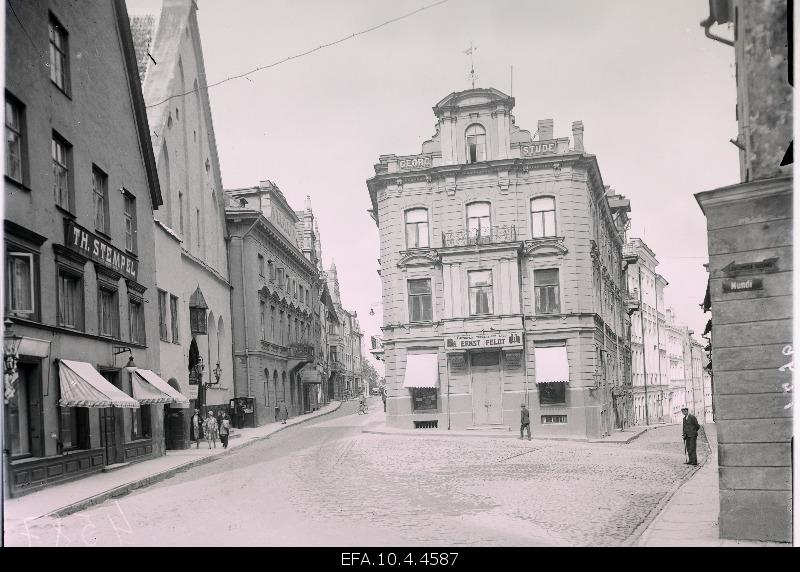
(172, 395)
(83, 386)
(551, 365)
(422, 370)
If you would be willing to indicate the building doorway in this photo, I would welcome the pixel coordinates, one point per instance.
(110, 436)
(487, 388)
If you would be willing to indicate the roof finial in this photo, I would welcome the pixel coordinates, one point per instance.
(472, 75)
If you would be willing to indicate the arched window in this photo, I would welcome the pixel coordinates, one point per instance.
(417, 228)
(479, 219)
(476, 143)
(543, 217)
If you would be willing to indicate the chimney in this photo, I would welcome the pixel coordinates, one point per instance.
(308, 202)
(545, 128)
(577, 135)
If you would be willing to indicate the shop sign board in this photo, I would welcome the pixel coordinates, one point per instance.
(484, 340)
(193, 391)
(538, 148)
(95, 248)
(415, 162)
(742, 284)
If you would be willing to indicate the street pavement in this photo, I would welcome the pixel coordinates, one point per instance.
(328, 483)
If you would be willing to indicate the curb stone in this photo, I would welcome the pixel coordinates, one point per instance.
(144, 482)
(653, 514)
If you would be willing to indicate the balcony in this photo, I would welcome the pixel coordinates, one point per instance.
(377, 347)
(495, 235)
(337, 366)
(631, 304)
(301, 351)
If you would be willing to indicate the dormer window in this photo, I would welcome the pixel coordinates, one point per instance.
(476, 143)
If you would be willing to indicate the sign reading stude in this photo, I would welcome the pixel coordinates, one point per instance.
(538, 148)
(499, 340)
(416, 162)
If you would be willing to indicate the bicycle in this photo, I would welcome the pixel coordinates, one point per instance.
(363, 409)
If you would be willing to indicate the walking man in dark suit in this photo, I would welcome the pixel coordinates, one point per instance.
(524, 421)
(690, 427)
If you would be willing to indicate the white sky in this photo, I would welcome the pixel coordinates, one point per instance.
(656, 96)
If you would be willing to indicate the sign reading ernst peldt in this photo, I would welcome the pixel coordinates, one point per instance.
(499, 340)
(92, 246)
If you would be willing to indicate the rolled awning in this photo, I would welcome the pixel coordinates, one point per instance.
(174, 396)
(552, 365)
(83, 386)
(422, 370)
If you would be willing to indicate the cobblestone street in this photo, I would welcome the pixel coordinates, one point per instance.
(325, 483)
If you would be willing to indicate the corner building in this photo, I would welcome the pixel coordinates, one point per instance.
(501, 263)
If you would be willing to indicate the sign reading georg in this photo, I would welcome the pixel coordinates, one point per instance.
(415, 162)
(92, 246)
(503, 340)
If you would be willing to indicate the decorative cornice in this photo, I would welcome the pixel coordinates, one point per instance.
(419, 257)
(549, 246)
(12, 228)
(136, 287)
(105, 272)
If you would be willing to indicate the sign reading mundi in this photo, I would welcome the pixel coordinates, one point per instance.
(92, 246)
(500, 340)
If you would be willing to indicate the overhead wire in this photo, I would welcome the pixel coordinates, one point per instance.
(302, 54)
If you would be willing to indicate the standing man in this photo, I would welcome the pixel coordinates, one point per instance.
(196, 427)
(525, 421)
(690, 427)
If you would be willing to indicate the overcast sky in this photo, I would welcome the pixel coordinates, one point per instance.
(656, 96)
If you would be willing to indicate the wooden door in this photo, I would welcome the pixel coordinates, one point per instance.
(487, 388)
(111, 434)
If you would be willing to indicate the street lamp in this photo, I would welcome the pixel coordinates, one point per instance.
(217, 373)
(11, 343)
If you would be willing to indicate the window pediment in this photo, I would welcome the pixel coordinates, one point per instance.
(418, 257)
(550, 246)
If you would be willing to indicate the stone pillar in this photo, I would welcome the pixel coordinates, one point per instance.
(577, 135)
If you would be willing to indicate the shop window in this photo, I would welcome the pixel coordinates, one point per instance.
(173, 311)
(108, 312)
(479, 219)
(70, 299)
(480, 292)
(553, 419)
(74, 428)
(140, 422)
(424, 398)
(476, 143)
(417, 228)
(543, 217)
(552, 393)
(546, 290)
(20, 292)
(420, 303)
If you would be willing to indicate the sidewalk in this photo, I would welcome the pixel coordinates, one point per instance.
(690, 516)
(60, 500)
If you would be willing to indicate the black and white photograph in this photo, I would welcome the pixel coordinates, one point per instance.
(399, 279)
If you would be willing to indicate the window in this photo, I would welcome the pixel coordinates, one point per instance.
(480, 292)
(280, 277)
(263, 310)
(289, 326)
(417, 228)
(130, 222)
(553, 419)
(546, 289)
(180, 210)
(70, 299)
(108, 313)
(543, 217)
(479, 219)
(20, 283)
(173, 310)
(308, 298)
(423, 398)
(476, 143)
(420, 307)
(61, 151)
(282, 331)
(59, 62)
(301, 293)
(136, 321)
(197, 227)
(271, 269)
(100, 199)
(272, 322)
(140, 426)
(14, 141)
(552, 393)
(74, 428)
(162, 316)
(260, 265)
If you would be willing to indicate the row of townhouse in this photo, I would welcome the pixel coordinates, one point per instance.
(136, 288)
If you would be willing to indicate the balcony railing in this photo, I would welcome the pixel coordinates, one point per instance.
(494, 235)
(301, 351)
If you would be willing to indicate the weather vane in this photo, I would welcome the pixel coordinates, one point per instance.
(472, 75)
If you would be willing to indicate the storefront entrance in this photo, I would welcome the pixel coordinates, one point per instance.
(111, 435)
(487, 388)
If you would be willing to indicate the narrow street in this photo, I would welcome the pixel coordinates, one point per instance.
(325, 483)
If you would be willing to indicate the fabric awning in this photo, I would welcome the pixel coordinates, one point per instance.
(178, 400)
(83, 386)
(145, 393)
(422, 370)
(552, 365)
